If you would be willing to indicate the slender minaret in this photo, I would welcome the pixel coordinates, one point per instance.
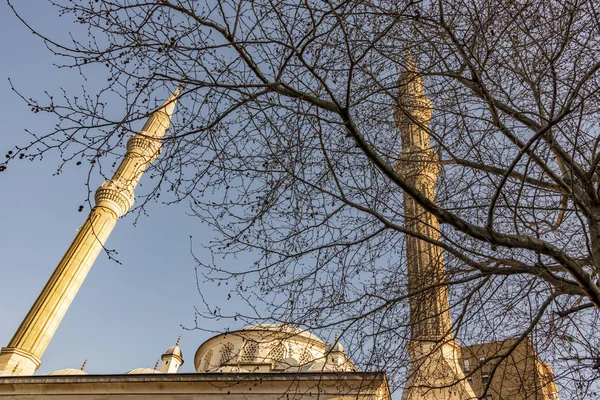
(434, 372)
(113, 199)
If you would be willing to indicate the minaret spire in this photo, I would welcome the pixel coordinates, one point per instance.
(113, 199)
(433, 352)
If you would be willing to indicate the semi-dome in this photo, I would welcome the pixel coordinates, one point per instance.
(68, 371)
(264, 348)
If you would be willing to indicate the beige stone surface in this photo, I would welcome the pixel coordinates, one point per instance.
(512, 370)
(326, 386)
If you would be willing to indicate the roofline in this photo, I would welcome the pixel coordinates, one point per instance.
(195, 377)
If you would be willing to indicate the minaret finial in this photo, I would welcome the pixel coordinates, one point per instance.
(156, 365)
(84, 364)
(178, 340)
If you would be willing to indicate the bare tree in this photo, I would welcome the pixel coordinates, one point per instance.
(284, 141)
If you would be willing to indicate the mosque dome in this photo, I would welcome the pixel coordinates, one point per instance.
(283, 328)
(142, 371)
(263, 348)
(68, 371)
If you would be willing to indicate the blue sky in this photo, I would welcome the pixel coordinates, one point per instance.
(125, 315)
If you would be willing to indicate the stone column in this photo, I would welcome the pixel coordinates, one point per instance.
(113, 199)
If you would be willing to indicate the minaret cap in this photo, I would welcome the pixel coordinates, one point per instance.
(169, 105)
(160, 120)
(413, 106)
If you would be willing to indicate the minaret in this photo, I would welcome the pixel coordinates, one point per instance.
(434, 354)
(113, 199)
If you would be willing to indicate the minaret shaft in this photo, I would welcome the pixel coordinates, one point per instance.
(420, 166)
(435, 372)
(113, 199)
(38, 327)
(430, 317)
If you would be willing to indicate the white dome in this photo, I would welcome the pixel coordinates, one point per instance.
(284, 328)
(174, 350)
(337, 348)
(142, 371)
(68, 371)
(262, 348)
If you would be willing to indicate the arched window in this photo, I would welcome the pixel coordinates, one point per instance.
(250, 351)
(226, 353)
(277, 353)
(207, 358)
(305, 357)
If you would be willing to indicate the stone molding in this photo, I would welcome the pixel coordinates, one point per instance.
(116, 196)
(144, 144)
(17, 361)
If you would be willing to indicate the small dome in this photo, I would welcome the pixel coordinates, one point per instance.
(336, 348)
(142, 371)
(175, 351)
(68, 371)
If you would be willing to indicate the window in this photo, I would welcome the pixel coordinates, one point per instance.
(467, 365)
(305, 357)
(277, 353)
(485, 379)
(250, 352)
(481, 360)
(489, 397)
(226, 353)
(470, 380)
(207, 359)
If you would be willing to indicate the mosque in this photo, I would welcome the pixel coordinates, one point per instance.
(279, 361)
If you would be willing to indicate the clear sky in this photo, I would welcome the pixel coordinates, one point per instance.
(126, 315)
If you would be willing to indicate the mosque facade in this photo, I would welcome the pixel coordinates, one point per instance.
(278, 361)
